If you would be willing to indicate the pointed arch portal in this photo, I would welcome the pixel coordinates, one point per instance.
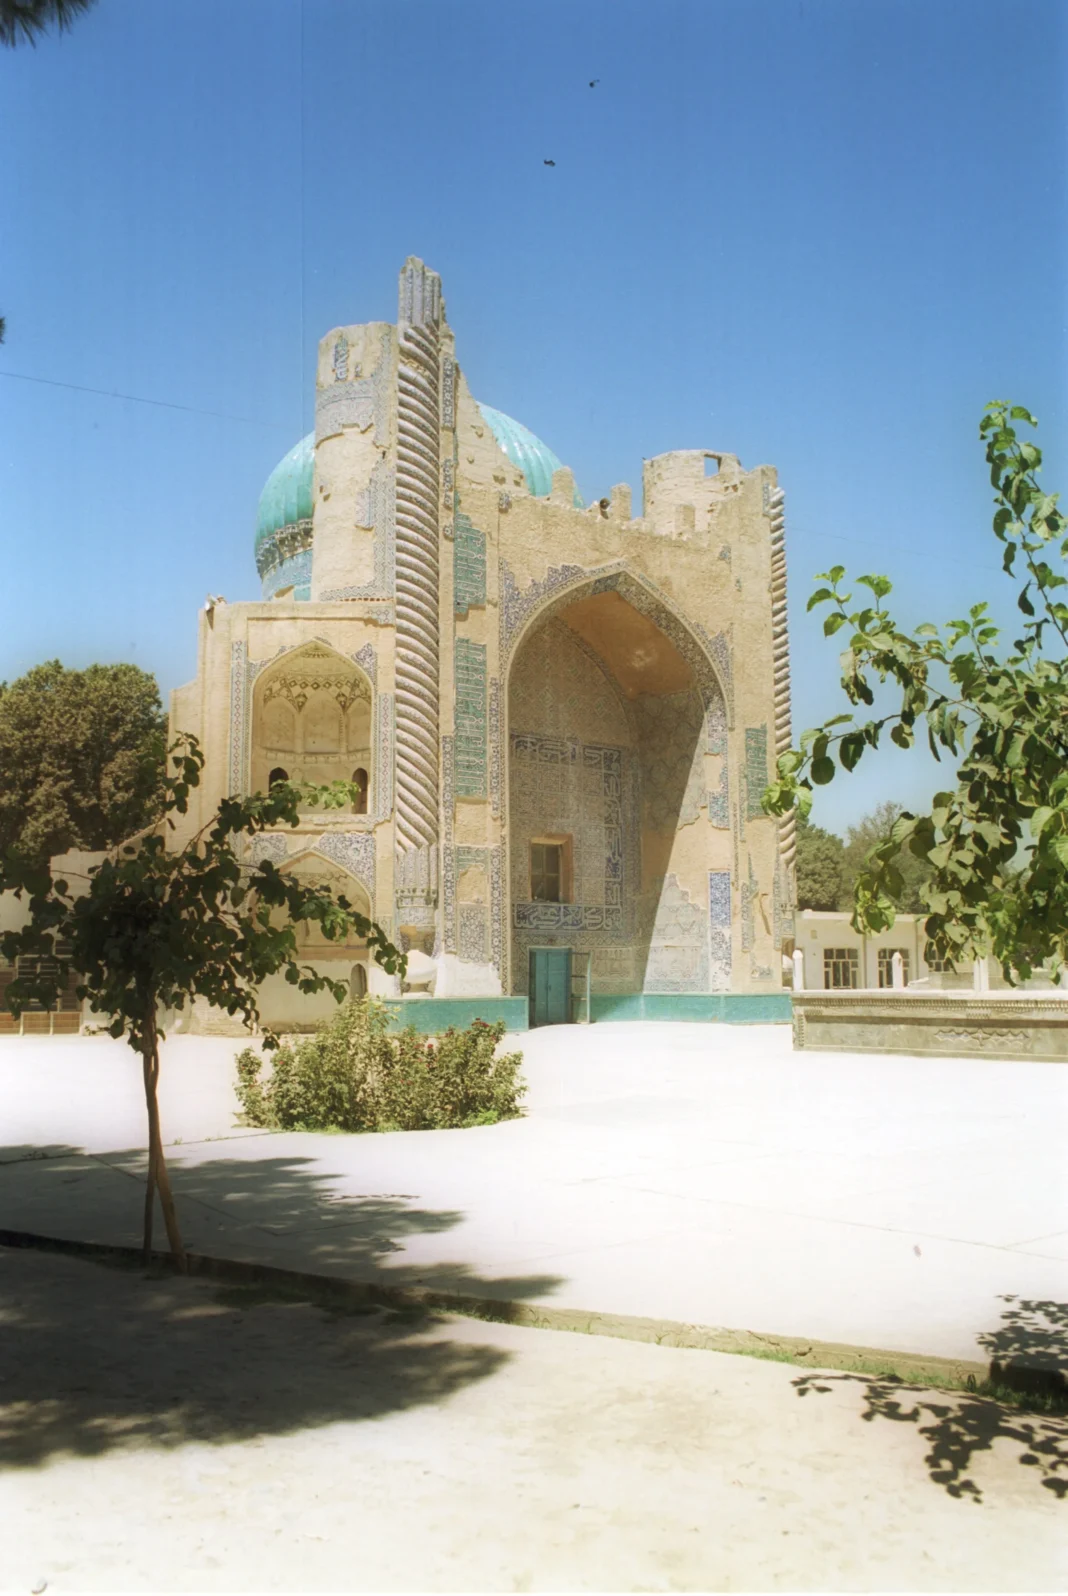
(618, 813)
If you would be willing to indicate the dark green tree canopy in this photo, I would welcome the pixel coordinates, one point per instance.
(81, 758)
(870, 832)
(996, 841)
(820, 877)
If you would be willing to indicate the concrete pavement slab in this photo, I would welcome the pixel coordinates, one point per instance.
(699, 1173)
(192, 1438)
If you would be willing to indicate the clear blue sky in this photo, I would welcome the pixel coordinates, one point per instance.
(817, 233)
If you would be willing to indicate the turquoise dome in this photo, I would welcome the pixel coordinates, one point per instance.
(284, 523)
(287, 493)
(534, 458)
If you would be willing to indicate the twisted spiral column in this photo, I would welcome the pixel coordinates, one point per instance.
(418, 478)
(780, 656)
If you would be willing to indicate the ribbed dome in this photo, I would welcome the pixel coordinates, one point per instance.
(287, 493)
(284, 524)
(533, 457)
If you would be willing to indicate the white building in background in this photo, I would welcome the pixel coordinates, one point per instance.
(837, 958)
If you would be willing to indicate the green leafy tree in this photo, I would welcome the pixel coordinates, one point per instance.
(997, 841)
(81, 758)
(820, 860)
(154, 927)
(23, 21)
(870, 832)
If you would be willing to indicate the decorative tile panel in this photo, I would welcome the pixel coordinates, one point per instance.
(470, 671)
(239, 716)
(756, 770)
(346, 404)
(295, 573)
(496, 746)
(448, 392)
(469, 564)
(383, 768)
(272, 845)
(354, 851)
(448, 852)
(749, 892)
(719, 916)
(284, 544)
(366, 659)
(497, 926)
(472, 932)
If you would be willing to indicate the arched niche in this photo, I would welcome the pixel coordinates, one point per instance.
(312, 870)
(617, 794)
(311, 717)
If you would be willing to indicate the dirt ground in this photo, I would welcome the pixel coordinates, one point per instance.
(178, 1435)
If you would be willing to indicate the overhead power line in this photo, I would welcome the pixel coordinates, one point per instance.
(138, 399)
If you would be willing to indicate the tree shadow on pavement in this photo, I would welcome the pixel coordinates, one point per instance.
(95, 1358)
(287, 1209)
(1028, 1369)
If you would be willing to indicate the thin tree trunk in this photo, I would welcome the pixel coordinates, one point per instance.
(158, 1176)
(150, 1183)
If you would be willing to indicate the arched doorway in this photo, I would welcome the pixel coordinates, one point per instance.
(618, 822)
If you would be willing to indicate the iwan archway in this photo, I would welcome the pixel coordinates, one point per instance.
(619, 841)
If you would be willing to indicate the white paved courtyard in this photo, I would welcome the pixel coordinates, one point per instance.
(170, 1435)
(694, 1173)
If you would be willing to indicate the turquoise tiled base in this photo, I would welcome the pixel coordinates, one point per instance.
(432, 1015)
(731, 1008)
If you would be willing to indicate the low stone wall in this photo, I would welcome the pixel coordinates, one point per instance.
(1002, 1025)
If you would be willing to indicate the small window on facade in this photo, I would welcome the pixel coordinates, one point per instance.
(277, 775)
(547, 872)
(841, 968)
(886, 965)
(359, 781)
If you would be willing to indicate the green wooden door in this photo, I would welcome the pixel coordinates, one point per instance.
(550, 986)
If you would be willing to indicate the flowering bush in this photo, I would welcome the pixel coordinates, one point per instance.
(353, 1075)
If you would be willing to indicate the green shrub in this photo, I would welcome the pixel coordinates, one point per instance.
(353, 1075)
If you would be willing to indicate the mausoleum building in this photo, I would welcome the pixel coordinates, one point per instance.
(559, 717)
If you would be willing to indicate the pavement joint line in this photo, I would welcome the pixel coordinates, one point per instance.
(803, 1351)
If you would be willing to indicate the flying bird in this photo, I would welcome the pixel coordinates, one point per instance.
(548, 163)
(594, 82)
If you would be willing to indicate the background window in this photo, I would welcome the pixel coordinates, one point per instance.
(841, 967)
(886, 965)
(546, 872)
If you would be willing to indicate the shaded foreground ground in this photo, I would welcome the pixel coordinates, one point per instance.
(174, 1435)
(702, 1174)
